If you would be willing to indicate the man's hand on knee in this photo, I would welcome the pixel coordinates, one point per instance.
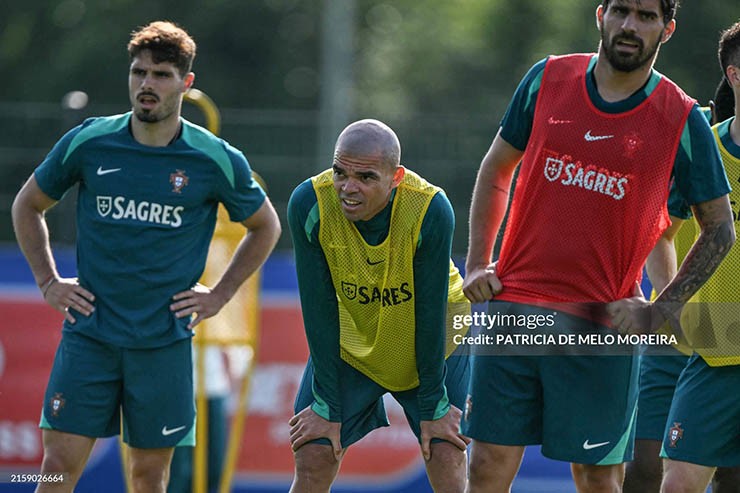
(445, 428)
(307, 426)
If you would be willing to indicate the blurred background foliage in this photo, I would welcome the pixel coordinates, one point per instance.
(289, 74)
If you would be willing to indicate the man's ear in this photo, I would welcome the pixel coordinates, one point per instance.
(398, 175)
(189, 80)
(599, 16)
(733, 75)
(668, 31)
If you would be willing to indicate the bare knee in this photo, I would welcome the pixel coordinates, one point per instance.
(150, 469)
(447, 468)
(493, 467)
(65, 452)
(315, 468)
(597, 479)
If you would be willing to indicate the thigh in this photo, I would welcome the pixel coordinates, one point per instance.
(83, 395)
(361, 398)
(457, 375)
(590, 408)
(658, 377)
(703, 426)
(158, 403)
(504, 402)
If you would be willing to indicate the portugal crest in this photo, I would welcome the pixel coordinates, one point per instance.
(178, 180)
(632, 144)
(104, 205)
(349, 289)
(57, 403)
(674, 434)
(553, 168)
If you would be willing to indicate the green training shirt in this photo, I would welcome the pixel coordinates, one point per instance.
(145, 217)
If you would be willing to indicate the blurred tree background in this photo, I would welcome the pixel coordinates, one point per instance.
(289, 74)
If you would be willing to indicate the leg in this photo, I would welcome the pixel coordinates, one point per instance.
(590, 478)
(726, 480)
(658, 377)
(644, 472)
(684, 477)
(315, 469)
(493, 467)
(64, 452)
(181, 471)
(447, 468)
(149, 469)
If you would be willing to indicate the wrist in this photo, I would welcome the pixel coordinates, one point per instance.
(44, 286)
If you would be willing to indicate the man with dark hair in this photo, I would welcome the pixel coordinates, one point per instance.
(668, 7)
(703, 427)
(150, 184)
(379, 296)
(167, 43)
(659, 372)
(599, 138)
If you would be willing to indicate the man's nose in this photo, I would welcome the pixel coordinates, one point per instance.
(350, 185)
(630, 24)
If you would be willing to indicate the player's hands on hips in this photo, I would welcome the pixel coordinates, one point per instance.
(481, 283)
(631, 315)
(445, 428)
(63, 294)
(307, 425)
(200, 300)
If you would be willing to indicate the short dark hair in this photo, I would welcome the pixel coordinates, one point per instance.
(669, 8)
(167, 42)
(729, 47)
(724, 101)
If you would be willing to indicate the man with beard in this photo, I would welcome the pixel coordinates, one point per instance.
(600, 138)
(150, 184)
(702, 431)
(660, 369)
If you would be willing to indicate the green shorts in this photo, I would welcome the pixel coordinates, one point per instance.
(92, 383)
(658, 377)
(704, 422)
(581, 408)
(362, 399)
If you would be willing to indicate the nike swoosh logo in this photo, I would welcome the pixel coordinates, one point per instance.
(592, 138)
(374, 263)
(102, 171)
(589, 446)
(167, 432)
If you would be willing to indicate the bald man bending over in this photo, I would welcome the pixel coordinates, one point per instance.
(379, 292)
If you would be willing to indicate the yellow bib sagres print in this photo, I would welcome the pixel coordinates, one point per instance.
(375, 284)
(711, 319)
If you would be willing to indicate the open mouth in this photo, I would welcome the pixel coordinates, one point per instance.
(629, 45)
(147, 100)
(350, 203)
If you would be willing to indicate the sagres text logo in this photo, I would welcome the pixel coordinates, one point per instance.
(569, 172)
(119, 208)
(387, 296)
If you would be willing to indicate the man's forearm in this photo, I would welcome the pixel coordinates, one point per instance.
(32, 235)
(710, 249)
(490, 198)
(250, 254)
